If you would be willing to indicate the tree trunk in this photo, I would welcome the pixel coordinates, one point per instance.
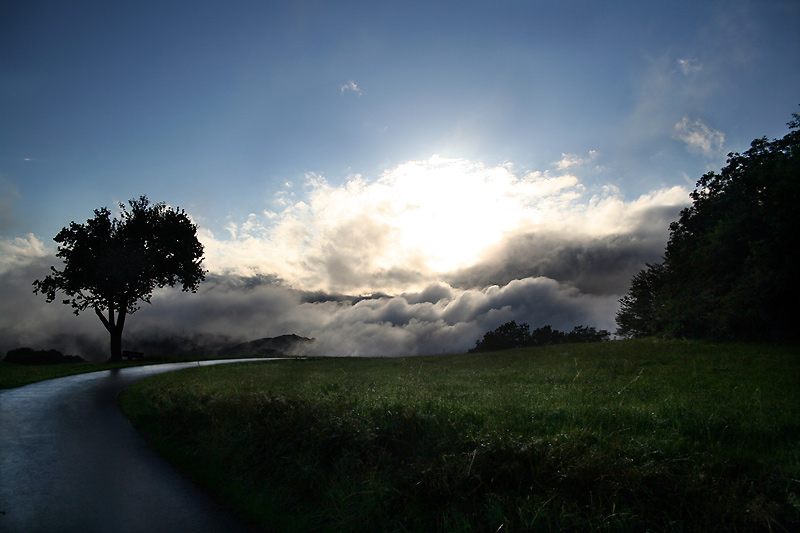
(116, 343)
(114, 328)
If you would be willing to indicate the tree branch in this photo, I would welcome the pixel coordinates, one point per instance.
(103, 319)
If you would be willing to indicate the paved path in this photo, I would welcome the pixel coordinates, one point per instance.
(70, 461)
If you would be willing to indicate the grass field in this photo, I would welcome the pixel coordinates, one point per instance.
(14, 375)
(617, 436)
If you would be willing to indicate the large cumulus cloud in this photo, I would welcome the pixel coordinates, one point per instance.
(424, 259)
(442, 218)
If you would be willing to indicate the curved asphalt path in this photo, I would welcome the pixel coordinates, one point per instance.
(70, 461)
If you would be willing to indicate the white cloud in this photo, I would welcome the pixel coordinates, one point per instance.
(394, 326)
(689, 66)
(437, 319)
(415, 222)
(21, 251)
(418, 218)
(410, 227)
(351, 86)
(571, 160)
(458, 247)
(699, 138)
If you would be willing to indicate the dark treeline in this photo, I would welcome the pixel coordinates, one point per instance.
(730, 265)
(513, 335)
(29, 356)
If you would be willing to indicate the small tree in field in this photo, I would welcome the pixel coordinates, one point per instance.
(112, 264)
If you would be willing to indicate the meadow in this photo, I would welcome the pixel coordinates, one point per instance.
(628, 435)
(15, 375)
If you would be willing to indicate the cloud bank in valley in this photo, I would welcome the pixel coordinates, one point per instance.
(424, 259)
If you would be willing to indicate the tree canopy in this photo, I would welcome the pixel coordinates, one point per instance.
(113, 264)
(513, 335)
(729, 266)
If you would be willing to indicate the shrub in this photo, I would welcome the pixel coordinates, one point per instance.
(28, 356)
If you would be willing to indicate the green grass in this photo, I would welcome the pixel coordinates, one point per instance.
(618, 436)
(14, 375)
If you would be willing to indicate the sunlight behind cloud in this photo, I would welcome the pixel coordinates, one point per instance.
(416, 222)
(449, 210)
(422, 259)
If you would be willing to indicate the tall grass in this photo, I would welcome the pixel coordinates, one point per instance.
(624, 435)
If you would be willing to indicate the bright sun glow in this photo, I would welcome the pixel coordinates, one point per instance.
(418, 219)
(448, 210)
(439, 214)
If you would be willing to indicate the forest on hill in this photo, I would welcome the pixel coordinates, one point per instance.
(729, 268)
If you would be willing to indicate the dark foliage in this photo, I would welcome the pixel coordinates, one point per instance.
(546, 335)
(509, 335)
(637, 316)
(513, 335)
(730, 262)
(586, 334)
(110, 264)
(28, 356)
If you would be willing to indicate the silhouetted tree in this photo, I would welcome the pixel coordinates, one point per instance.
(509, 335)
(587, 334)
(28, 356)
(112, 264)
(637, 316)
(546, 335)
(513, 335)
(729, 269)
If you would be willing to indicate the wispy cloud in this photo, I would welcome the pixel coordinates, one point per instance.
(571, 160)
(351, 86)
(689, 66)
(699, 138)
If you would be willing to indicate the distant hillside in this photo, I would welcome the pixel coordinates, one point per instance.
(283, 345)
(210, 346)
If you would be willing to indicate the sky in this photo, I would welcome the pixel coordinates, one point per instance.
(389, 178)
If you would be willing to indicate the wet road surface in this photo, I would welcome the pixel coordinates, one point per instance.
(70, 461)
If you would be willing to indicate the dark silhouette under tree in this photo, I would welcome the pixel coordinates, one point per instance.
(730, 266)
(113, 264)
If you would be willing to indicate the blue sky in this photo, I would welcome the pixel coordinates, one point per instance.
(259, 118)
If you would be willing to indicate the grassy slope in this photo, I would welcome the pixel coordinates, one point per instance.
(625, 435)
(13, 375)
